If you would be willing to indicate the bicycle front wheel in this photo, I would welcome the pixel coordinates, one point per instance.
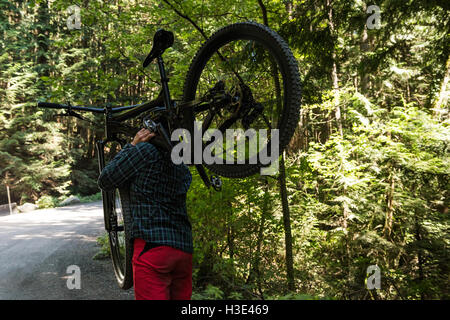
(253, 65)
(119, 218)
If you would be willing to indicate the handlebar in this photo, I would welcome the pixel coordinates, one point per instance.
(79, 108)
(50, 105)
(63, 106)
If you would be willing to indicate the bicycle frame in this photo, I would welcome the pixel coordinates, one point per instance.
(162, 106)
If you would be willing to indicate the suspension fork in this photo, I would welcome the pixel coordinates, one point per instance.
(106, 196)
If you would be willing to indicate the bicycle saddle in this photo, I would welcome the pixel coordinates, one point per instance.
(161, 41)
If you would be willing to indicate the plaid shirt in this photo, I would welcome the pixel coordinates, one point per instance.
(157, 192)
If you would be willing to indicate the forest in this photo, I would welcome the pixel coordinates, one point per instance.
(363, 182)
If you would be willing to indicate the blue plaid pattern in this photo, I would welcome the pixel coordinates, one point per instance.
(158, 190)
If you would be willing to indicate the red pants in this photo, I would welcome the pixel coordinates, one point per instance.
(161, 273)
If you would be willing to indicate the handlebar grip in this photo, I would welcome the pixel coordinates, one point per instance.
(50, 105)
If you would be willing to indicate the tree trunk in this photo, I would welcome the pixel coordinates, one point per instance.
(364, 47)
(43, 32)
(256, 269)
(334, 72)
(282, 177)
(390, 206)
(287, 226)
(230, 230)
(420, 259)
(442, 99)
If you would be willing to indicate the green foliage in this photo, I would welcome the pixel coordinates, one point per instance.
(345, 184)
(104, 251)
(210, 293)
(91, 198)
(47, 202)
(374, 193)
(293, 296)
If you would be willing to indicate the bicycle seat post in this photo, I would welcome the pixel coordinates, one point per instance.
(164, 83)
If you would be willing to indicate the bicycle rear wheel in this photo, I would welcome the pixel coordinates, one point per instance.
(255, 67)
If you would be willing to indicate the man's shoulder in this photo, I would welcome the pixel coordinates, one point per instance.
(148, 150)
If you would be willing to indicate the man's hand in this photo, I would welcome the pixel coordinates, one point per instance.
(143, 135)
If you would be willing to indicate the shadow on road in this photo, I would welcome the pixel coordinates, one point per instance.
(36, 249)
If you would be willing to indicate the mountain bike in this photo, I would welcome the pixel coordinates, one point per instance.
(242, 77)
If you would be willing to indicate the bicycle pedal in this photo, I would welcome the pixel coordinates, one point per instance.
(216, 182)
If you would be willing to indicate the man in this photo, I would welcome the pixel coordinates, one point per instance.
(161, 231)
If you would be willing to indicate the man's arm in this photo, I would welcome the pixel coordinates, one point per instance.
(128, 162)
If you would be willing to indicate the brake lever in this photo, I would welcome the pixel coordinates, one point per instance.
(76, 115)
(71, 113)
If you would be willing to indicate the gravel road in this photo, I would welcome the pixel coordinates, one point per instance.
(36, 248)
